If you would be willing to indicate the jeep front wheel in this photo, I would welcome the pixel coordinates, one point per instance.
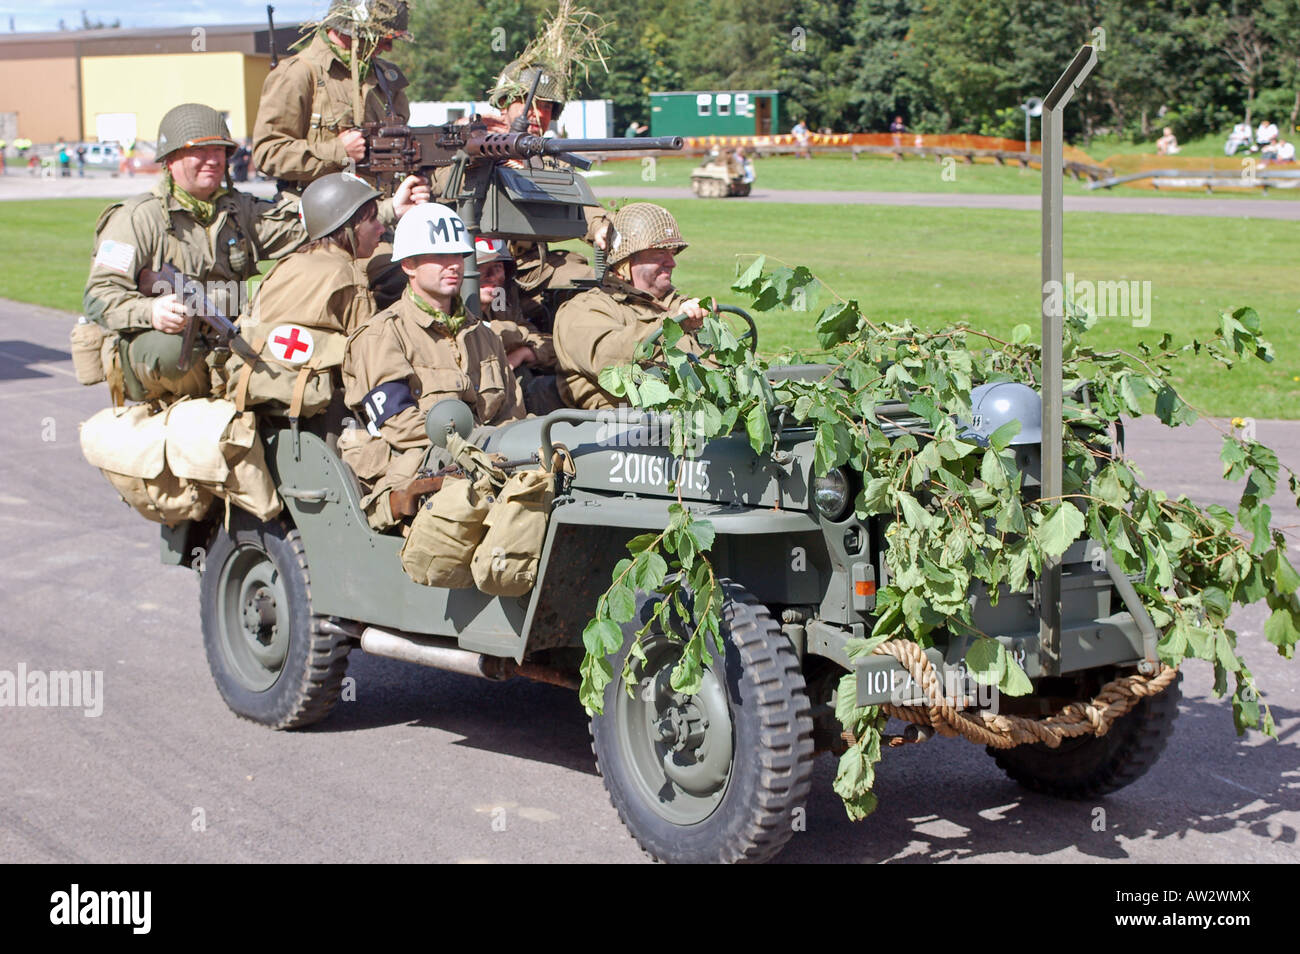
(715, 776)
(268, 656)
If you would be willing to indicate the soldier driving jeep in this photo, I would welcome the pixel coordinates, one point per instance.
(601, 327)
(405, 359)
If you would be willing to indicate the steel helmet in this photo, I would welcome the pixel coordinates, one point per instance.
(516, 82)
(993, 405)
(640, 226)
(375, 19)
(192, 124)
(491, 250)
(330, 202)
(430, 229)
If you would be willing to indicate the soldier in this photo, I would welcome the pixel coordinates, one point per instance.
(538, 269)
(307, 122)
(194, 221)
(601, 327)
(530, 352)
(410, 356)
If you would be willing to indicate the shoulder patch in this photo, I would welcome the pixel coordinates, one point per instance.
(116, 257)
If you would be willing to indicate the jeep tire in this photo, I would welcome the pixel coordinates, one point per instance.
(717, 776)
(1092, 765)
(268, 656)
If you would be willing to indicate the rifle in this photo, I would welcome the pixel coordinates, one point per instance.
(270, 36)
(226, 333)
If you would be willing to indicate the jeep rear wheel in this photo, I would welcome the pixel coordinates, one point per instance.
(1096, 765)
(715, 776)
(268, 656)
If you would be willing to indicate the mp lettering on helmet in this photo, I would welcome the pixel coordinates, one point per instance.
(292, 344)
(448, 229)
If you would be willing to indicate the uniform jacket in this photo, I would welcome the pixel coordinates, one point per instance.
(601, 328)
(515, 331)
(323, 288)
(154, 228)
(403, 343)
(306, 102)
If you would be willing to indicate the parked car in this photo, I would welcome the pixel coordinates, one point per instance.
(103, 154)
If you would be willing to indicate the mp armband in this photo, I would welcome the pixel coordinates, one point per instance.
(384, 402)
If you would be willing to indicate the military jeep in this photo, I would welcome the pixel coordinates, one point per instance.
(714, 776)
(709, 777)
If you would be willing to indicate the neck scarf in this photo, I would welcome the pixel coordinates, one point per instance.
(450, 323)
(203, 210)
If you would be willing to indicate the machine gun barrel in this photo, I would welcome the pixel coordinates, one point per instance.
(392, 148)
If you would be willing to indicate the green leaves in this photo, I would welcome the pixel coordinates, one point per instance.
(1061, 526)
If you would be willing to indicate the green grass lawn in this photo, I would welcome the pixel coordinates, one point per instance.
(934, 266)
(838, 172)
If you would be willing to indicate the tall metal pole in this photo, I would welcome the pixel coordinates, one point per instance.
(1049, 606)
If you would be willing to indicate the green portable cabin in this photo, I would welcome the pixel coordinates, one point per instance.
(719, 112)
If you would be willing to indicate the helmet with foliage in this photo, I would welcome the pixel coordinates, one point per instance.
(372, 20)
(570, 41)
(191, 124)
(640, 226)
(331, 201)
(516, 81)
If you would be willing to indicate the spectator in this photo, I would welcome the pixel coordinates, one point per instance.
(1167, 145)
(1285, 151)
(239, 163)
(802, 139)
(1240, 136)
(3, 170)
(65, 160)
(81, 161)
(635, 129)
(1266, 134)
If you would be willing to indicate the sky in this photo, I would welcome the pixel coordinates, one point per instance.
(45, 14)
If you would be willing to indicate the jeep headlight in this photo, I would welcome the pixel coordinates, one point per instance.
(831, 494)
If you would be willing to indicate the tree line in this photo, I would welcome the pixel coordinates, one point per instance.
(959, 66)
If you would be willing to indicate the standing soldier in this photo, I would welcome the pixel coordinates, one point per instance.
(196, 222)
(313, 104)
(602, 327)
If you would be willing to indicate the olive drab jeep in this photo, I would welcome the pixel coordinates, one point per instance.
(713, 776)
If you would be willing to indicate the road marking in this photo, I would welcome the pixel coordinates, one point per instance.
(23, 394)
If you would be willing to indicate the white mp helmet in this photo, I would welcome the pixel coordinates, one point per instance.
(491, 250)
(430, 229)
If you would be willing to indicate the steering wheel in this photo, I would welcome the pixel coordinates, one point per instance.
(751, 335)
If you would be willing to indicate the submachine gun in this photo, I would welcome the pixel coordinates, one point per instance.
(521, 201)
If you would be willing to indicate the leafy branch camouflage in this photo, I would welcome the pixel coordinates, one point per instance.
(960, 521)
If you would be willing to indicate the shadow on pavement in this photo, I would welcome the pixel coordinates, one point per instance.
(17, 356)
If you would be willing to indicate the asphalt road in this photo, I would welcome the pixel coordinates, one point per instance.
(429, 766)
(99, 184)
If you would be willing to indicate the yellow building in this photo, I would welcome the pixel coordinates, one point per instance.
(116, 84)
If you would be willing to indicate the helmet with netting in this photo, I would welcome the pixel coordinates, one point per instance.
(374, 19)
(192, 124)
(516, 81)
(640, 226)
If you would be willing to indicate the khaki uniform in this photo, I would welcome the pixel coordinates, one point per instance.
(153, 228)
(306, 102)
(322, 288)
(537, 379)
(404, 343)
(601, 328)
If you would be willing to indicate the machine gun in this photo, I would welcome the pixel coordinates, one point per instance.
(519, 201)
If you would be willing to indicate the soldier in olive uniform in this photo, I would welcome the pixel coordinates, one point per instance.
(307, 123)
(410, 356)
(601, 327)
(196, 222)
